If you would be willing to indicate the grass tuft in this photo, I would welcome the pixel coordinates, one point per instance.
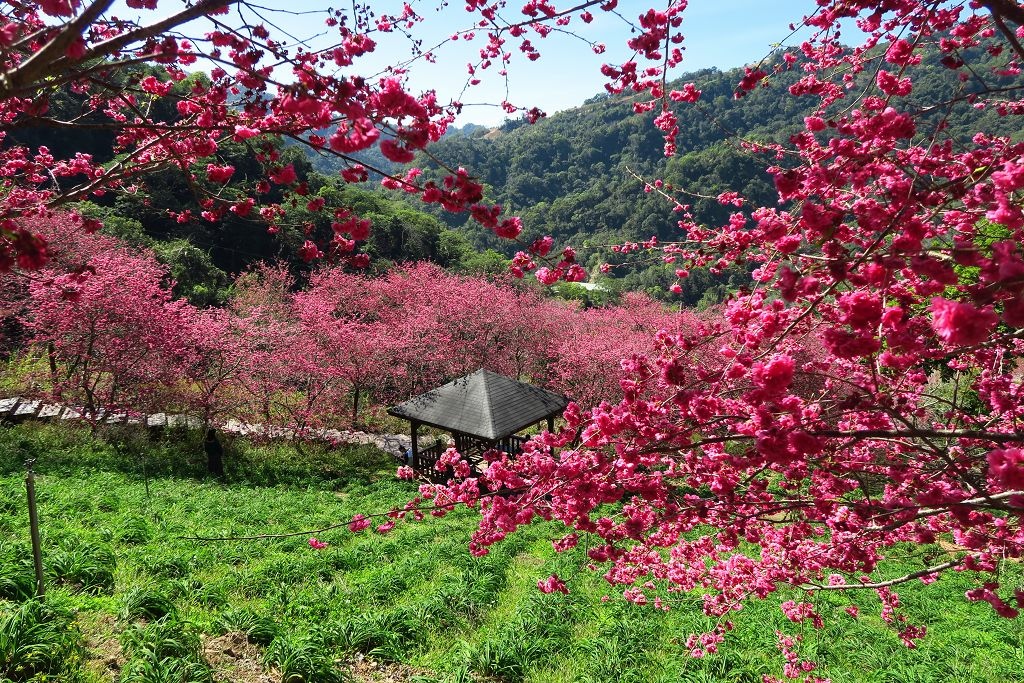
(81, 566)
(164, 651)
(259, 628)
(303, 659)
(37, 641)
(144, 602)
(17, 572)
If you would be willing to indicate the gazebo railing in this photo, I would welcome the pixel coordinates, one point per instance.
(428, 457)
(472, 451)
(511, 444)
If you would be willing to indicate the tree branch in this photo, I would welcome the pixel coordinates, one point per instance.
(860, 434)
(1005, 9)
(53, 53)
(884, 584)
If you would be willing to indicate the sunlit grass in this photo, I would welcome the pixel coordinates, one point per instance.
(116, 516)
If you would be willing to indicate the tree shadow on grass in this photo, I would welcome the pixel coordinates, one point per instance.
(178, 452)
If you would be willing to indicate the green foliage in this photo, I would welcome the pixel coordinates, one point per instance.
(258, 628)
(486, 262)
(81, 565)
(38, 642)
(20, 371)
(303, 659)
(132, 449)
(17, 571)
(196, 278)
(134, 529)
(144, 601)
(125, 228)
(164, 651)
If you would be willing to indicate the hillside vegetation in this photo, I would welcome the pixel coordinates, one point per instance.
(574, 174)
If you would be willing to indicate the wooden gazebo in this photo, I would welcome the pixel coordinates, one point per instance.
(482, 410)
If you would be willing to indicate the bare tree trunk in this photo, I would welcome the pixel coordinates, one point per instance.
(51, 356)
(355, 407)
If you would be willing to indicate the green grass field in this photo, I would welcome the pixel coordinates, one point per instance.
(128, 599)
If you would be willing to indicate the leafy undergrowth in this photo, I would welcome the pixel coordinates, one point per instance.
(131, 599)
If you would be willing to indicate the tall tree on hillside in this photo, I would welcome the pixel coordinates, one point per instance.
(217, 354)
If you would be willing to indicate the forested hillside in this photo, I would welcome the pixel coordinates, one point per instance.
(574, 175)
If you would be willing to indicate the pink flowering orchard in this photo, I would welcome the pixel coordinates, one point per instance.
(862, 396)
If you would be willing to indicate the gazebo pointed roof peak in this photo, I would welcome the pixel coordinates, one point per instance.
(483, 404)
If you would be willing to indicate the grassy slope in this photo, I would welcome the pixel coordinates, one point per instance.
(129, 599)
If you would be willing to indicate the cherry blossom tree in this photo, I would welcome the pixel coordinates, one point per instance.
(261, 305)
(416, 327)
(111, 331)
(69, 248)
(864, 392)
(590, 345)
(217, 352)
(129, 71)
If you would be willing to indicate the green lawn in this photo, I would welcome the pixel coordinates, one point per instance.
(129, 599)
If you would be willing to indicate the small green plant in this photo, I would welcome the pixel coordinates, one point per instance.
(82, 566)
(12, 499)
(144, 602)
(260, 629)
(164, 651)
(134, 530)
(368, 633)
(37, 640)
(146, 668)
(509, 658)
(17, 573)
(303, 659)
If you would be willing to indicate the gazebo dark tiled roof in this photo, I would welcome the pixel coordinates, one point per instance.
(483, 404)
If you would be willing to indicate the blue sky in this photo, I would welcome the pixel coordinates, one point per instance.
(722, 33)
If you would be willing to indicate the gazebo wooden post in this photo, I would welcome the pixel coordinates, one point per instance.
(414, 429)
(551, 423)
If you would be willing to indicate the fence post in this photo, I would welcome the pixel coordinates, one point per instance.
(33, 519)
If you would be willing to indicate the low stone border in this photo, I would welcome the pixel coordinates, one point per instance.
(19, 409)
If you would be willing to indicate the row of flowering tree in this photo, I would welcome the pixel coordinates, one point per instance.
(113, 339)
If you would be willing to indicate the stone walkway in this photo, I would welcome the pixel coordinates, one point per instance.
(17, 409)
